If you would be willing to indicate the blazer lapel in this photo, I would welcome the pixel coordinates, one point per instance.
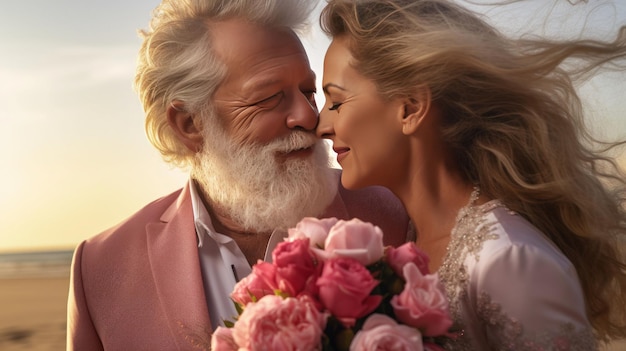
(173, 254)
(175, 266)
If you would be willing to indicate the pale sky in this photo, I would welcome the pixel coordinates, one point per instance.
(74, 159)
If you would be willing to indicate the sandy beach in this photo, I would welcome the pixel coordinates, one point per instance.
(33, 316)
(33, 313)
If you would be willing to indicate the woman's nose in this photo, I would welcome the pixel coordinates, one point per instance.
(325, 125)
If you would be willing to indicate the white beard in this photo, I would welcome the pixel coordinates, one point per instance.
(256, 190)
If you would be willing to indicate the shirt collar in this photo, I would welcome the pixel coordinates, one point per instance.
(202, 219)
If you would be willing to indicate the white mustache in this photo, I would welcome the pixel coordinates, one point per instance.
(294, 141)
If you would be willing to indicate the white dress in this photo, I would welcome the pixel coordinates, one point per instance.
(510, 287)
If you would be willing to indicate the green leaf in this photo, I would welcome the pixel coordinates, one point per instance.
(343, 339)
(238, 308)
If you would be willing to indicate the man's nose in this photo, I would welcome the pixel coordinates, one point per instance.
(304, 114)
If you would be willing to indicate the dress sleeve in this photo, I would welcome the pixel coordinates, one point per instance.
(529, 298)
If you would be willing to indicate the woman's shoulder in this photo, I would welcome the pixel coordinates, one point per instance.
(491, 233)
(518, 283)
(516, 253)
(511, 237)
(493, 243)
(503, 256)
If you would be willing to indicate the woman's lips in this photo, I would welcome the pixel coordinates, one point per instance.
(341, 152)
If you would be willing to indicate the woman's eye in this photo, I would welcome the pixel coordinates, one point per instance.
(335, 106)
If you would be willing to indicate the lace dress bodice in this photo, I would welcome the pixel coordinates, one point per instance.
(511, 288)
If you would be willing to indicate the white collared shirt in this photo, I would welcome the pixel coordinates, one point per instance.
(222, 262)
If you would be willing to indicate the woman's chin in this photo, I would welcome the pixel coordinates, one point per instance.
(352, 183)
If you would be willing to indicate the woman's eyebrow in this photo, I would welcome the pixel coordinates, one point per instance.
(328, 85)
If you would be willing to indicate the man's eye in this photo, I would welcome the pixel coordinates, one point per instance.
(271, 101)
(310, 95)
(335, 106)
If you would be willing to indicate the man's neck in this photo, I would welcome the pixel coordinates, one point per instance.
(252, 244)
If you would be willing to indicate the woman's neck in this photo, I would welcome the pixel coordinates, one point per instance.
(433, 202)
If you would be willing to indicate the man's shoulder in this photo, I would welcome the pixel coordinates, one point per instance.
(122, 251)
(379, 206)
(375, 198)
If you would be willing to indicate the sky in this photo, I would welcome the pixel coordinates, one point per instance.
(74, 159)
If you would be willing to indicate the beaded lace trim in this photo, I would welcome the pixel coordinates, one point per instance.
(467, 238)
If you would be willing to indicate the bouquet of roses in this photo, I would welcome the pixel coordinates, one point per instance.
(332, 285)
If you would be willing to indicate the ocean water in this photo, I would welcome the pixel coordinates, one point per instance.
(38, 264)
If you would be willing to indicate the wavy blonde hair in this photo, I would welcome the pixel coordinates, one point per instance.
(176, 62)
(514, 120)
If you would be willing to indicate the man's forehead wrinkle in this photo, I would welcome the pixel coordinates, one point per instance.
(258, 82)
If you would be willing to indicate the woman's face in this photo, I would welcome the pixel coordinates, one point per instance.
(365, 128)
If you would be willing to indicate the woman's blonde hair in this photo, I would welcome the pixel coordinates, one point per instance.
(514, 121)
(176, 62)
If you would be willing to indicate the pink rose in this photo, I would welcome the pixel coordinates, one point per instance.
(261, 282)
(408, 252)
(296, 267)
(222, 340)
(360, 240)
(274, 323)
(344, 289)
(381, 332)
(313, 228)
(422, 303)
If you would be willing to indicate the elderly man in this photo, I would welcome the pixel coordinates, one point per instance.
(229, 93)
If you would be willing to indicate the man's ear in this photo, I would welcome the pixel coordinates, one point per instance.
(416, 108)
(185, 125)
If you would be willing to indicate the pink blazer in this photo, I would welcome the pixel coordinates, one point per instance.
(138, 286)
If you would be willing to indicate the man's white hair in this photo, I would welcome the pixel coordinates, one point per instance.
(176, 61)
